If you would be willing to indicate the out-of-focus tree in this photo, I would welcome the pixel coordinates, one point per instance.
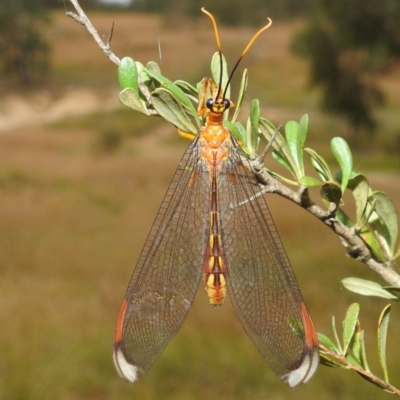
(24, 51)
(348, 43)
(229, 12)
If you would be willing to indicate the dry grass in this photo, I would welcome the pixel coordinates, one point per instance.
(73, 220)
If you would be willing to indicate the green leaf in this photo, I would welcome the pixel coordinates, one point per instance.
(386, 210)
(320, 165)
(372, 242)
(331, 192)
(128, 97)
(238, 132)
(281, 178)
(349, 325)
(359, 186)
(382, 335)
(363, 353)
(242, 90)
(303, 127)
(327, 342)
(282, 160)
(336, 336)
(153, 67)
(252, 141)
(353, 360)
(366, 288)
(309, 181)
(355, 343)
(342, 153)
(292, 139)
(177, 93)
(267, 129)
(172, 111)
(344, 218)
(216, 74)
(128, 74)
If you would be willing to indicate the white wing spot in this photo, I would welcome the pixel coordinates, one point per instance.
(127, 371)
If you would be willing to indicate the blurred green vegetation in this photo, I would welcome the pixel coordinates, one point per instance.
(73, 220)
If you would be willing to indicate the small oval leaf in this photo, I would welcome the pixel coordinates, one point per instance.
(382, 335)
(309, 181)
(128, 74)
(349, 325)
(342, 153)
(128, 97)
(366, 288)
(386, 210)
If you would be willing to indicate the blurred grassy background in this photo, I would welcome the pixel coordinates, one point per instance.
(81, 179)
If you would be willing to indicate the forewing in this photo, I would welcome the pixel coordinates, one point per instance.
(261, 282)
(166, 278)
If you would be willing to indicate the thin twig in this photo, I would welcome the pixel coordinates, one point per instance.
(82, 19)
(365, 374)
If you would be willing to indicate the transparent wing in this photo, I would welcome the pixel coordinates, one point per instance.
(260, 280)
(166, 278)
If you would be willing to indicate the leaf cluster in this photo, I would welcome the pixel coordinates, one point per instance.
(351, 353)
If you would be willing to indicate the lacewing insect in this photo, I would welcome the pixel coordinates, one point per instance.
(213, 223)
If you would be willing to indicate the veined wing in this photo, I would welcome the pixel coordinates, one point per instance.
(260, 280)
(167, 275)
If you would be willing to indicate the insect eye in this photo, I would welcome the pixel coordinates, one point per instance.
(227, 104)
(209, 103)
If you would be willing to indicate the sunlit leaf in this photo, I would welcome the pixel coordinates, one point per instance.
(252, 141)
(177, 93)
(366, 288)
(382, 336)
(302, 135)
(279, 144)
(359, 186)
(292, 140)
(320, 165)
(327, 342)
(336, 336)
(128, 97)
(216, 75)
(153, 67)
(239, 133)
(342, 153)
(349, 325)
(282, 160)
(353, 360)
(363, 353)
(128, 74)
(370, 239)
(168, 107)
(344, 218)
(355, 343)
(386, 210)
(281, 178)
(242, 90)
(309, 181)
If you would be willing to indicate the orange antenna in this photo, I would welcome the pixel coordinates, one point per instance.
(219, 49)
(215, 27)
(245, 51)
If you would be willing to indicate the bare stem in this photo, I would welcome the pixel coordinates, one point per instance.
(365, 374)
(82, 19)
